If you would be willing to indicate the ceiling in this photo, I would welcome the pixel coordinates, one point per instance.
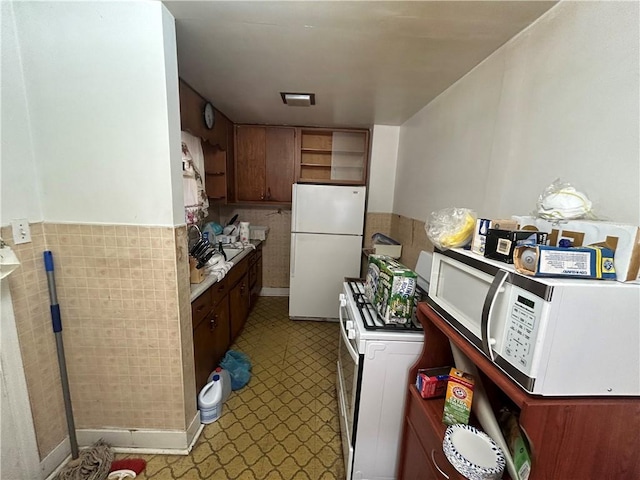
(367, 62)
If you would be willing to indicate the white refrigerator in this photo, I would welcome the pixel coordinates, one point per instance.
(326, 245)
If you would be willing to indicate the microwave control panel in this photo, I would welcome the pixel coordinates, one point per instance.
(521, 331)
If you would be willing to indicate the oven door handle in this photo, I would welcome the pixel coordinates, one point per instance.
(487, 309)
(345, 337)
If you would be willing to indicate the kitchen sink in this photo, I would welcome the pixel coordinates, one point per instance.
(232, 252)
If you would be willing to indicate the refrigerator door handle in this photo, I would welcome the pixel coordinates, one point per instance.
(292, 270)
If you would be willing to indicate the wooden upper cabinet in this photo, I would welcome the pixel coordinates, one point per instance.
(264, 163)
(333, 156)
(217, 142)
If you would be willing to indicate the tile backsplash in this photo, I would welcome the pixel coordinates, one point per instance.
(124, 299)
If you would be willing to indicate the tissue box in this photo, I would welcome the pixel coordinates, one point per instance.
(390, 287)
(500, 244)
(583, 262)
(623, 239)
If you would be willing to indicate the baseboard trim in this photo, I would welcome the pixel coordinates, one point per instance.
(163, 442)
(56, 459)
(274, 292)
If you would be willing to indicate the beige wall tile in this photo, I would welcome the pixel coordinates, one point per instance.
(276, 250)
(124, 295)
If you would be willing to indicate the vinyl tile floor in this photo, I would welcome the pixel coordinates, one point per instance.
(284, 424)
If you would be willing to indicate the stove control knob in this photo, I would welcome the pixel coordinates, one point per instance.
(349, 325)
(343, 300)
(351, 334)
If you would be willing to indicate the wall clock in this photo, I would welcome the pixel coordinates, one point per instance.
(209, 115)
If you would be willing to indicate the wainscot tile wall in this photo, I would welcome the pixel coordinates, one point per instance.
(124, 299)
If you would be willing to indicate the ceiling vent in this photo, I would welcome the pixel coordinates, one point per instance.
(298, 99)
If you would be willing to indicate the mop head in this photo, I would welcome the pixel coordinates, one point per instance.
(93, 463)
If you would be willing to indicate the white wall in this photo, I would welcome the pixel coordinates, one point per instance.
(559, 100)
(20, 196)
(102, 99)
(382, 170)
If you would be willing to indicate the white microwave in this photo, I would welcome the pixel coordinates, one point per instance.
(552, 336)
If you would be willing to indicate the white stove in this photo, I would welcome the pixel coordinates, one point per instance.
(373, 363)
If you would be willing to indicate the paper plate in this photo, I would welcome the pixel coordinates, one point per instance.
(473, 453)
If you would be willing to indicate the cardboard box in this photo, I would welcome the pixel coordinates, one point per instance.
(457, 402)
(393, 251)
(257, 232)
(623, 239)
(390, 287)
(432, 382)
(582, 262)
(482, 228)
(516, 443)
(500, 244)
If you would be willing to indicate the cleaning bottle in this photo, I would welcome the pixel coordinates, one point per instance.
(225, 379)
(210, 401)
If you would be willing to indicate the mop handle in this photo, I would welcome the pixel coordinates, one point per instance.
(56, 320)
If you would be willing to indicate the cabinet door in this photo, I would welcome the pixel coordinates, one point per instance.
(416, 464)
(239, 298)
(210, 342)
(250, 163)
(280, 163)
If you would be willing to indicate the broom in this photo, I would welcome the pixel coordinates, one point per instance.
(94, 462)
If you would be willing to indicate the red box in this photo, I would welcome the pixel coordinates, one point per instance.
(432, 382)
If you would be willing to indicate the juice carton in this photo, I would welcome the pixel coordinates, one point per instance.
(457, 403)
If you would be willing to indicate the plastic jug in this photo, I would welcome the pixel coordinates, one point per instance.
(210, 401)
(244, 232)
(225, 379)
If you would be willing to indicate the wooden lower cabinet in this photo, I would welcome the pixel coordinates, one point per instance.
(255, 275)
(239, 303)
(220, 313)
(210, 342)
(569, 437)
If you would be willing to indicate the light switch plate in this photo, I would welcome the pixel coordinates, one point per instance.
(21, 231)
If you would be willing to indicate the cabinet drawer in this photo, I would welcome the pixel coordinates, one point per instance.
(423, 415)
(218, 291)
(200, 307)
(237, 272)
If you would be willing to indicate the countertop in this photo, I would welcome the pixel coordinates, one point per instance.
(198, 289)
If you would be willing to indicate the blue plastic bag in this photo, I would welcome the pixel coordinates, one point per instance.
(239, 367)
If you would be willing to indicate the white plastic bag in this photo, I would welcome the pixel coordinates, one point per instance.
(561, 201)
(451, 227)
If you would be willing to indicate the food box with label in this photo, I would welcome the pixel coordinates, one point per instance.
(579, 262)
(390, 287)
(500, 244)
(482, 228)
(457, 402)
(623, 239)
(432, 382)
